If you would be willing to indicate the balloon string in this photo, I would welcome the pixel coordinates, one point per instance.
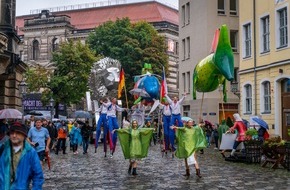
(223, 109)
(201, 107)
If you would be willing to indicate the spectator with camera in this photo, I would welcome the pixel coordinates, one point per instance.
(36, 137)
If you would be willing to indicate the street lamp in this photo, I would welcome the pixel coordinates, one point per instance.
(51, 102)
(22, 90)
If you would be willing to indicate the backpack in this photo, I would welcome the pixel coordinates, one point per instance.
(266, 135)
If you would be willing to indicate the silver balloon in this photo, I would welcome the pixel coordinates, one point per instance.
(104, 78)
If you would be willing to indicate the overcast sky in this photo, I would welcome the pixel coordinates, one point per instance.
(23, 7)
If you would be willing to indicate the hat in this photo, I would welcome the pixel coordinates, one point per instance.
(237, 117)
(16, 126)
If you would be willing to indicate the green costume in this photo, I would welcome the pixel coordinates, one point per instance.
(135, 142)
(222, 129)
(189, 140)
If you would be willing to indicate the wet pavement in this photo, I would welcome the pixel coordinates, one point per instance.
(94, 171)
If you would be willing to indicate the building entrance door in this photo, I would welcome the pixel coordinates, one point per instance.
(286, 125)
(285, 109)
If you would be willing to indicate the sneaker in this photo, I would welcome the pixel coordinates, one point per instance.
(215, 148)
(111, 155)
(75, 152)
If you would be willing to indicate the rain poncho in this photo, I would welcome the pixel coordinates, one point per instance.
(135, 142)
(222, 129)
(75, 135)
(189, 140)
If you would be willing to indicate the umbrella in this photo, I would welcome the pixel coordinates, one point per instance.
(10, 113)
(186, 119)
(139, 92)
(47, 159)
(80, 122)
(36, 113)
(82, 114)
(261, 122)
(208, 123)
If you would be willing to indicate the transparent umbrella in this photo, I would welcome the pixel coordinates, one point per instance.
(82, 114)
(10, 113)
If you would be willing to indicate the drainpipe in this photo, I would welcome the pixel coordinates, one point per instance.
(255, 55)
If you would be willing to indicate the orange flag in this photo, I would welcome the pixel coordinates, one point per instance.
(121, 83)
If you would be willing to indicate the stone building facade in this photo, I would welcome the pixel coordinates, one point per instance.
(11, 67)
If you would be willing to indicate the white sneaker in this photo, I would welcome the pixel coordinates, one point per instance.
(111, 156)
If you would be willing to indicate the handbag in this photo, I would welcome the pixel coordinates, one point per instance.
(191, 160)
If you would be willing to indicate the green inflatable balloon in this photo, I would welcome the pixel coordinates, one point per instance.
(212, 71)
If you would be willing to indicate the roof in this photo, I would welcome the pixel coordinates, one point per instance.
(93, 17)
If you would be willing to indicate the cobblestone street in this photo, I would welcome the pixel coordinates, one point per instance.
(94, 171)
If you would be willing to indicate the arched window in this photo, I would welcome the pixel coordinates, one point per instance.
(248, 98)
(266, 96)
(286, 85)
(35, 50)
(55, 44)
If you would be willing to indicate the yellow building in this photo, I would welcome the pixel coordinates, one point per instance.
(265, 63)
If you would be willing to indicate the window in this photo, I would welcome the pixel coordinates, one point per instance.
(184, 49)
(183, 15)
(184, 81)
(188, 47)
(35, 50)
(55, 44)
(186, 111)
(267, 96)
(236, 70)
(233, 7)
(247, 40)
(187, 13)
(248, 99)
(234, 40)
(176, 48)
(188, 82)
(286, 85)
(283, 32)
(221, 7)
(265, 34)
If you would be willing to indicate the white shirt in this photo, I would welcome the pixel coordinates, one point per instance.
(165, 109)
(103, 109)
(112, 110)
(175, 107)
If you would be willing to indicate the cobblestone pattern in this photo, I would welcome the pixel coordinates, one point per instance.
(94, 171)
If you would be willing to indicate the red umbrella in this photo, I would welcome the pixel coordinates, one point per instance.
(48, 159)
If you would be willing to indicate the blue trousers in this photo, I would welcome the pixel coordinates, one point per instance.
(175, 120)
(102, 121)
(85, 144)
(166, 126)
(113, 124)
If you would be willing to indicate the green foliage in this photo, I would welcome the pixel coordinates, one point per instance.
(274, 142)
(37, 78)
(251, 132)
(68, 81)
(73, 64)
(131, 44)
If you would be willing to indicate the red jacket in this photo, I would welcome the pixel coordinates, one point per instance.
(241, 128)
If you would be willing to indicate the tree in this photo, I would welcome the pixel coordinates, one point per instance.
(131, 44)
(69, 81)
